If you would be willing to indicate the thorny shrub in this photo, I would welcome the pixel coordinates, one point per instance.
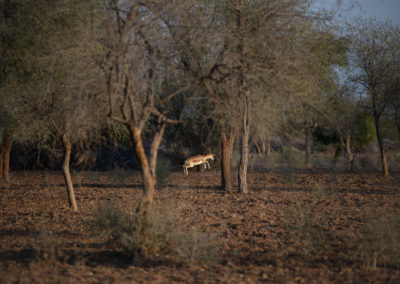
(377, 243)
(166, 237)
(304, 229)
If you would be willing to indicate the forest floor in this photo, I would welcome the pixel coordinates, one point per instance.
(293, 227)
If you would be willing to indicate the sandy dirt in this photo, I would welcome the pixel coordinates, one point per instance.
(42, 241)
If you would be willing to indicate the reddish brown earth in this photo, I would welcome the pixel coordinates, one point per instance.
(255, 246)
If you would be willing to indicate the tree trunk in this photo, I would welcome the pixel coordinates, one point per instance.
(244, 148)
(385, 168)
(268, 146)
(5, 155)
(226, 154)
(397, 120)
(149, 182)
(149, 178)
(154, 147)
(244, 94)
(67, 174)
(349, 154)
(308, 142)
(259, 149)
(263, 147)
(340, 147)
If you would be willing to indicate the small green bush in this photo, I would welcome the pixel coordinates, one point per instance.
(365, 131)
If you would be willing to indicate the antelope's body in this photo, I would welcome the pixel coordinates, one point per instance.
(197, 160)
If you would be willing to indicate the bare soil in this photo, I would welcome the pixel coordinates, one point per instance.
(42, 241)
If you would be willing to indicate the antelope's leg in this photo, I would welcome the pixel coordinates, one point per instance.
(208, 165)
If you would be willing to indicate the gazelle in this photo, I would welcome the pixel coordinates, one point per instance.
(197, 160)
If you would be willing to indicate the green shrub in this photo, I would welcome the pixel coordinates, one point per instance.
(365, 131)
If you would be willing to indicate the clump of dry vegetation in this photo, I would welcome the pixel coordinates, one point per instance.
(165, 238)
(304, 229)
(48, 245)
(377, 243)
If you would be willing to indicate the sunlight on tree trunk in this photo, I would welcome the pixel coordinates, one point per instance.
(385, 168)
(67, 174)
(149, 182)
(149, 179)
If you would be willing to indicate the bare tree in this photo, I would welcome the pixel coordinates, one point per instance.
(148, 43)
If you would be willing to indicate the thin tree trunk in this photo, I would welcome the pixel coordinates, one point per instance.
(268, 145)
(385, 168)
(263, 147)
(245, 95)
(339, 149)
(149, 182)
(397, 119)
(308, 142)
(5, 155)
(349, 154)
(149, 179)
(244, 148)
(226, 153)
(259, 151)
(2, 165)
(155, 145)
(67, 174)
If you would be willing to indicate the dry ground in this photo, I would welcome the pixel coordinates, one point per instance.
(41, 241)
